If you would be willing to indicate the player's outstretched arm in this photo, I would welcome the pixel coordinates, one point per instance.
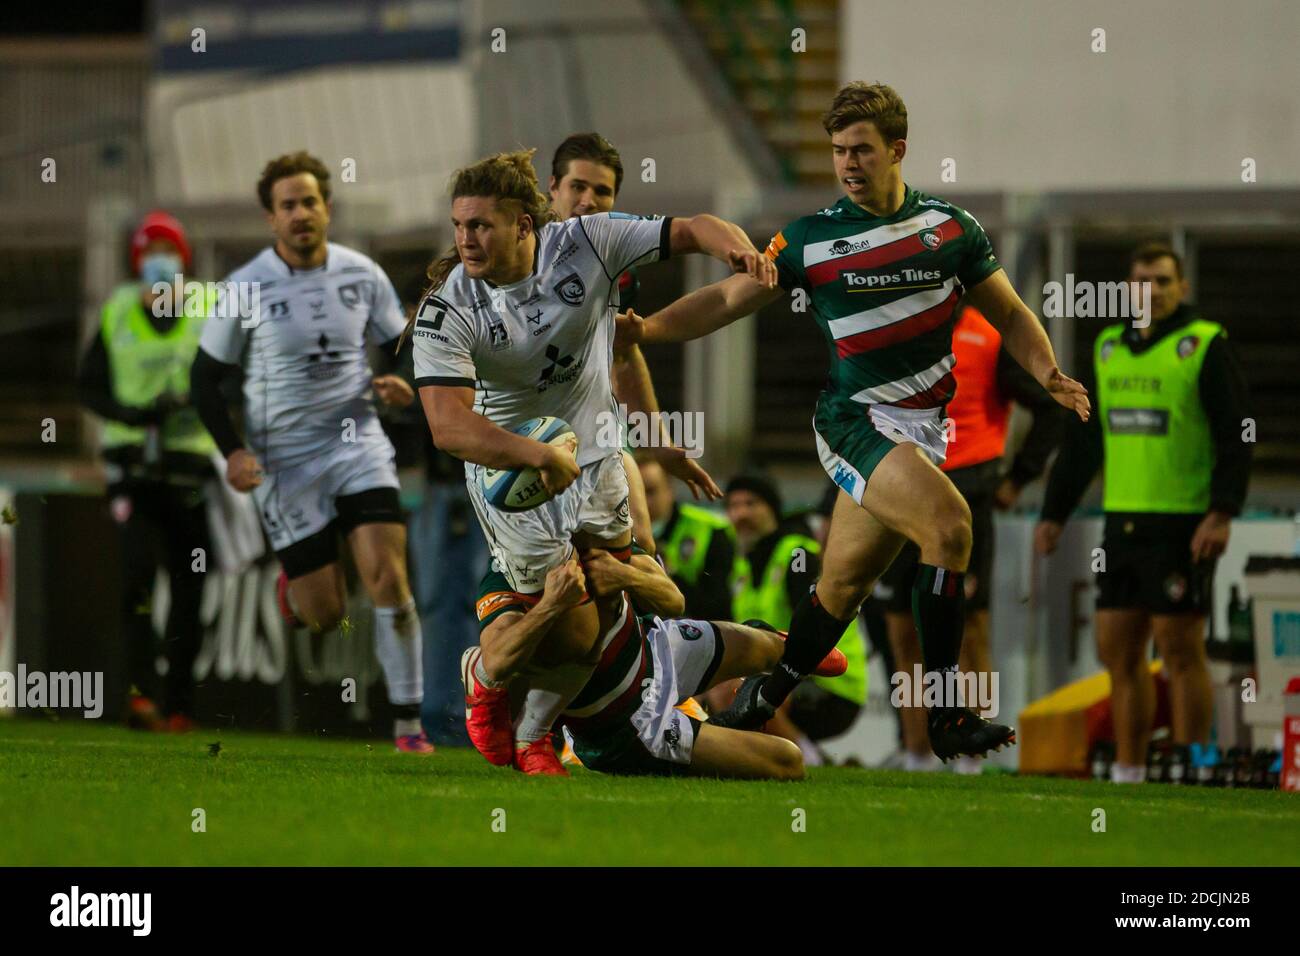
(641, 577)
(509, 642)
(460, 431)
(703, 311)
(724, 241)
(634, 388)
(1026, 340)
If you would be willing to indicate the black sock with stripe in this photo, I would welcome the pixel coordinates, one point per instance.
(813, 633)
(939, 610)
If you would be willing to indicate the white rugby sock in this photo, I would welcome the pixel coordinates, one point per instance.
(921, 763)
(550, 691)
(812, 755)
(406, 726)
(968, 765)
(481, 674)
(398, 647)
(1123, 773)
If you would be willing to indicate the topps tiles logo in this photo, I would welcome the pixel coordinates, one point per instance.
(76, 909)
(885, 281)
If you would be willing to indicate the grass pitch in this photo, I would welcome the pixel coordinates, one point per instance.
(78, 794)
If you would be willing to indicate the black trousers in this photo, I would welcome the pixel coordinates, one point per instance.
(161, 524)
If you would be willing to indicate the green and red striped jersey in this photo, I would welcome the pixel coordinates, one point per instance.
(884, 291)
(614, 689)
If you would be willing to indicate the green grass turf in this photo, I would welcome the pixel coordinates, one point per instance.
(73, 793)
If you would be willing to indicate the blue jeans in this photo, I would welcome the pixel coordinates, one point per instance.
(449, 557)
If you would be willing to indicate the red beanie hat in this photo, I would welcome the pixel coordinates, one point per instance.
(159, 225)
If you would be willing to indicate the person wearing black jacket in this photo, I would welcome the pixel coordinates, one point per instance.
(1169, 434)
(157, 456)
(989, 381)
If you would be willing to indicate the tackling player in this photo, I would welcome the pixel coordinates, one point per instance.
(883, 270)
(320, 464)
(517, 324)
(626, 720)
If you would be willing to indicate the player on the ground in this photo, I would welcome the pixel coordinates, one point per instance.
(517, 324)
(320, 464)
(883, 270)
(626, 720)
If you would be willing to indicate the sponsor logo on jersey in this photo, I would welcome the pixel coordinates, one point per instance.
(845, 477)
(830, 211)
(317, 305)
(499, 337)
(325, 363)
(885, 281)
(278, 310)
(432, 328)
(1187, 345)
(843, 247)
(534, 318)
(567, 253)
(571, 289)
(936, 202)
(930, 238)
(673, 736)
(532, 299)
(562, 368)
(489, 603)
(1137, 421)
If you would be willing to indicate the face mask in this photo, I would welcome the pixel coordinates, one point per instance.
(159, 267)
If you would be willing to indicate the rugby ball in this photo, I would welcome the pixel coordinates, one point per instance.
(520, 489)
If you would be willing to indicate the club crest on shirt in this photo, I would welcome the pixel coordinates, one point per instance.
(930, 238)
(571, 289)
(354, 293)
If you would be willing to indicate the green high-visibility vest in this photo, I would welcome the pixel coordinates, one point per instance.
(145, 363)
(688, 545)
(767, 600)
(1158, 449)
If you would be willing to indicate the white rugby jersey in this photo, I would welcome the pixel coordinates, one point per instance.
(304, 352)
(543, 345)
